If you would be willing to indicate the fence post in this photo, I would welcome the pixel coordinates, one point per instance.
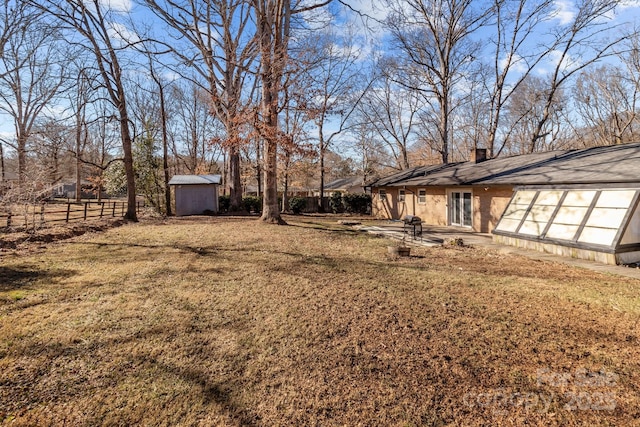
(85, 211)
(68, 210)
(122, 209)
(9, 219)
(41, 214)
(101, 209)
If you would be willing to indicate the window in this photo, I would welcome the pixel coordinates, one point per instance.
(401, 195)
(382, 194)
(422, 196)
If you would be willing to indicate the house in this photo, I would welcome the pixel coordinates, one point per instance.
(352, 185)
(580, 203)
(196, 194)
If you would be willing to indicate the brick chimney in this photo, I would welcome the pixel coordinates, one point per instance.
(478, 155)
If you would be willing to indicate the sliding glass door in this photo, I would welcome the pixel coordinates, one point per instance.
(460, 211)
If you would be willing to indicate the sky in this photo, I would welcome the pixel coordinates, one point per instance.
(628, 11)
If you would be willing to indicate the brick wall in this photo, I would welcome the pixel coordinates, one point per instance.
(488, 205)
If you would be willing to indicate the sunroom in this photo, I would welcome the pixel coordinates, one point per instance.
(594, 223)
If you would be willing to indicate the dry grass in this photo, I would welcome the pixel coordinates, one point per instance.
(220, 321)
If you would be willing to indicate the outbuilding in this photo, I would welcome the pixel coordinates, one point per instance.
(196, 194)
(580, 203)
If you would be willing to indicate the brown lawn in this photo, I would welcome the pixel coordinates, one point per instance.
(222, 321)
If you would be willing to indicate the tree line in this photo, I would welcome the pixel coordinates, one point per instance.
(125, 94)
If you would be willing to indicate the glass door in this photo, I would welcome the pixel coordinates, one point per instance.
(460, 211)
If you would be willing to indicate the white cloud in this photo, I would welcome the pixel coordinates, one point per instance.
(122, 6)
(121, 32)
(517, 64)
(629, 4)
(567, 63)
(564, 11)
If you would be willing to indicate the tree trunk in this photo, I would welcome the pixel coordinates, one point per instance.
(131, 213)
(2, 176)
(235, 184)
(22, 159)
(322, 153)
(165, 148)
(270, 210)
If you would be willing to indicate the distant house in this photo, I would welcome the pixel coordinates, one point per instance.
(352, 184)
(196, 194)
(581, 203)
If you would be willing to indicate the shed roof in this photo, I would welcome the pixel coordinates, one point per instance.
(195, 179)
(617, 164)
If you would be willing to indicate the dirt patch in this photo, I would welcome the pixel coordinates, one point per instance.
(16, 239)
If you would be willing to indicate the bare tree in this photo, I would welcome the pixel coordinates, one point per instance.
(31, 75)
(221, 51)
(91, 25)
(334, 87)
(575, 46)
(390, 111)
(434, 37)
(606, 100)
(191, 127)
(523, 112)
(273, 25)
(515, 55)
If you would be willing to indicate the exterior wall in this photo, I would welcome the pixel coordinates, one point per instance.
(196, 199)
(591, 255)
(488, 203)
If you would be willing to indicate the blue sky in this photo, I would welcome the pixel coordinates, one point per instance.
(627, 12)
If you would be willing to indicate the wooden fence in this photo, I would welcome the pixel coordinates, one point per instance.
(34, 216)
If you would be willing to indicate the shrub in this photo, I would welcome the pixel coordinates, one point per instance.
(335, 202)
(224, 202)
(297, 204)
(252, 204)
(357, 203)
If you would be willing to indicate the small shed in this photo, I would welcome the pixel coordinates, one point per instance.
(196, 194)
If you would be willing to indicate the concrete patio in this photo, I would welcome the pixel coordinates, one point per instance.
(436, 236)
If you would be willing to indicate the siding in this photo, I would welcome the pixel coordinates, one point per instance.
(196, 199)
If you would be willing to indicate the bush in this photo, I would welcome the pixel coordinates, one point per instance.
(335, 202)
(357, 203)
(224, 202)
(297, 204)
(252, 204)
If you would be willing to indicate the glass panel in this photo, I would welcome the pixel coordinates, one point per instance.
(615, 198)
(524, 197)
(540, 214)
(562, 231)
(549, 197)
(532, 227)
(422, 196)
(466, 220)
(606, 217)
(579, 198)
(570, 215)
(508, 225)
(598, 236)
(455, 213)
(515, 211)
